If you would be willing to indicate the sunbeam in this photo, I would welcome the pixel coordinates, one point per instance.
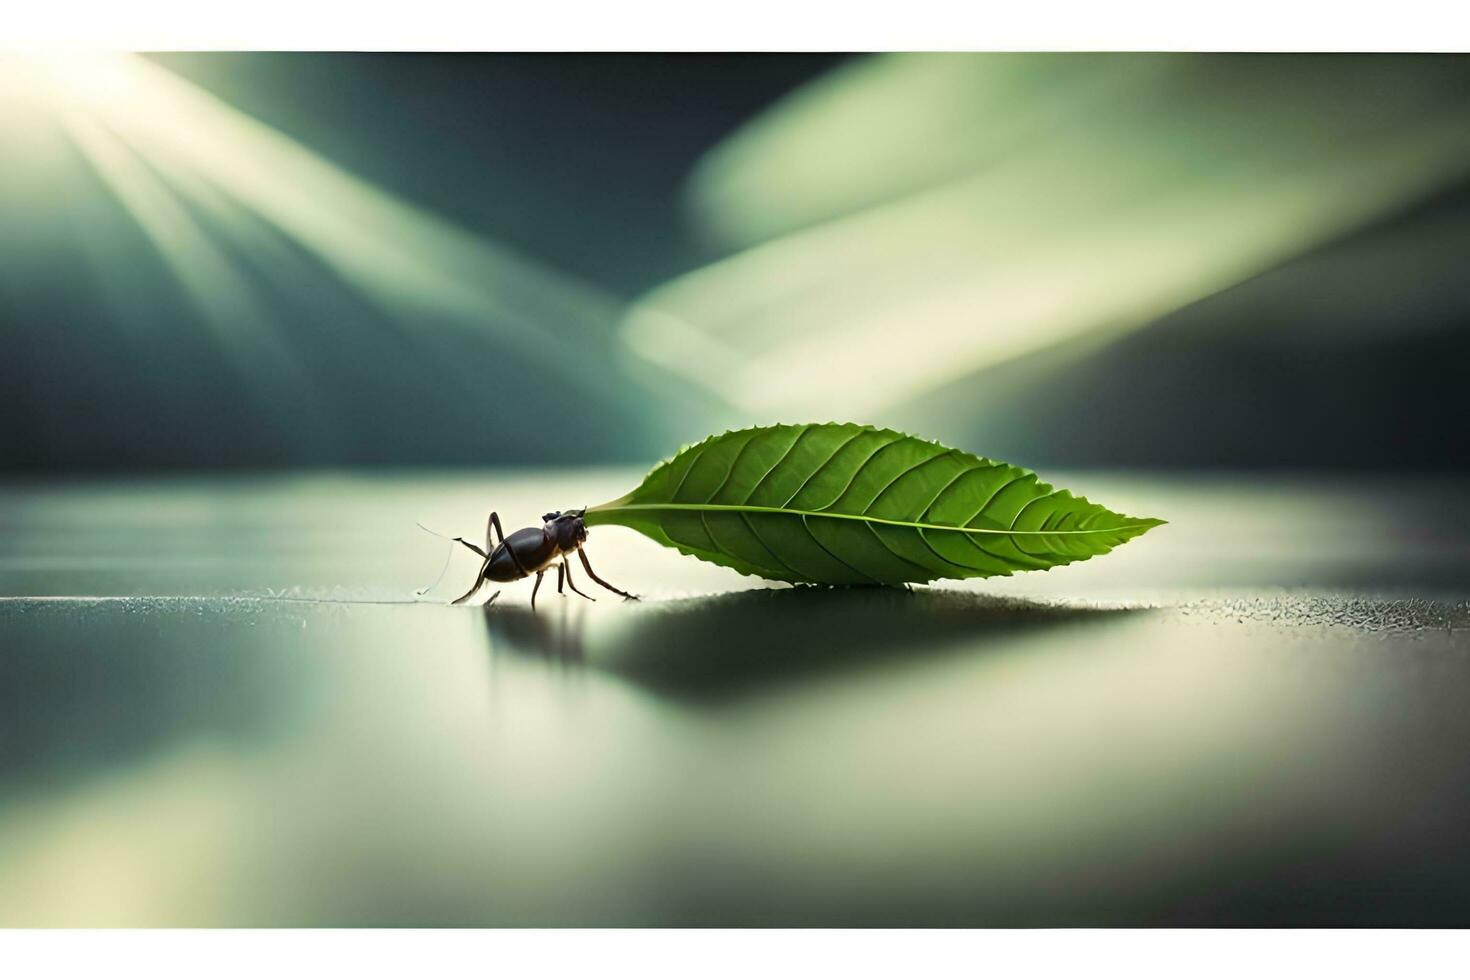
(153, 136)
(225, 299)
(1056, 199)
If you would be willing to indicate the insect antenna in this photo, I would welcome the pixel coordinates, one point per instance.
(447, 556)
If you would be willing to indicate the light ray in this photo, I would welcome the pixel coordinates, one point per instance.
(1172, 184)
(226, 301)
(415, 266)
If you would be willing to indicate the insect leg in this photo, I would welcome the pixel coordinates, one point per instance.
(460, 540)
(539, 576)
(479, 580)
(611, 588)
(447, 558)
(493, 522)
(561, 574)
(568, 569)
(473, 548)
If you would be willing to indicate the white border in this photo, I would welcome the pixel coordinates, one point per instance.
(757, 25)
(740, 25)
(735, 954)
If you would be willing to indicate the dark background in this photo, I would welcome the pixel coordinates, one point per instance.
(576, 160)
(1347, 356)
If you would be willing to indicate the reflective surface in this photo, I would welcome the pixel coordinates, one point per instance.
(222, 703)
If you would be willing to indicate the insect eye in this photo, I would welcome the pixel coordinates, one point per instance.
(552, 516)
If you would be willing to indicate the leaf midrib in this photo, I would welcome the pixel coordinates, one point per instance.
(757, 509)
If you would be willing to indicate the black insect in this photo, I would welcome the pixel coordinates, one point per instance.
(533, 550)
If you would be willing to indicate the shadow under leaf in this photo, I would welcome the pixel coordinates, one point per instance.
(726, 646)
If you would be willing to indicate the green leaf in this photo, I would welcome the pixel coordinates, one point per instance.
(853, 505)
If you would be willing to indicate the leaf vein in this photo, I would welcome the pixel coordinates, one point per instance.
(907, 470)
(769, 550)
(949, 561)
(992, 498)
(777, 464)
(859, 472)
(945, 489)
(834, 555)
(825, 463)
(734, 465)
(836, 515)
(889, 548)
(698, 455)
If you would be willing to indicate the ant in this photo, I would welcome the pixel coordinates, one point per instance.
(535, 549)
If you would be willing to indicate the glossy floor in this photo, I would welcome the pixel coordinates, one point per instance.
(222, 703)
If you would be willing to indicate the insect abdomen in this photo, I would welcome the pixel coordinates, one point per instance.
(533, 548)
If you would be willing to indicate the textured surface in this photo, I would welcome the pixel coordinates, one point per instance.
(845, 504)
(220, 703)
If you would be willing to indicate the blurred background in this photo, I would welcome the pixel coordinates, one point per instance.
(262, 313)
(269, 261)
